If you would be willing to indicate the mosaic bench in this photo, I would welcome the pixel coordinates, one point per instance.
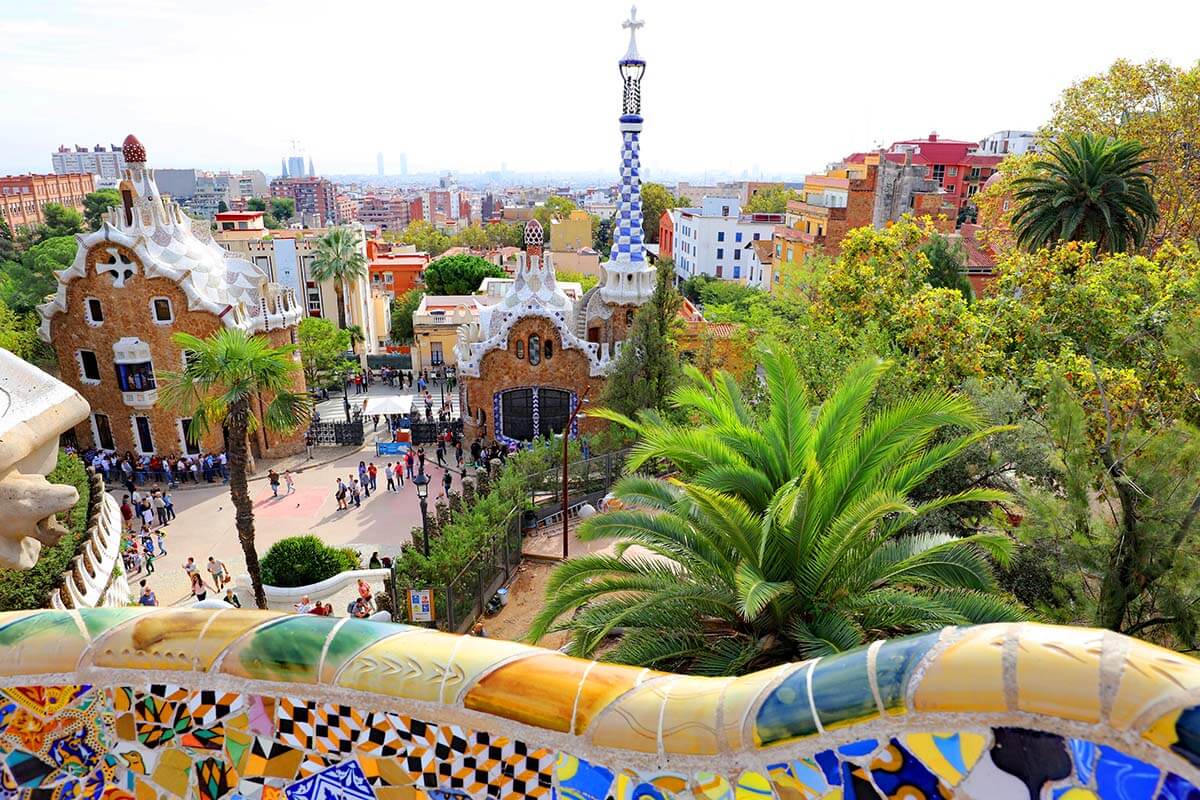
(212, 704)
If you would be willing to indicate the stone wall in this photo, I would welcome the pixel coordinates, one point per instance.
(501, 369)
(210, 704)
(94, 580)
(127, 312)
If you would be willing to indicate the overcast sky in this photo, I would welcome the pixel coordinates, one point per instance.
(777, 88)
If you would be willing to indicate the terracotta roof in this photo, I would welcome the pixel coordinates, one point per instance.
(764, 250)
(978, 253)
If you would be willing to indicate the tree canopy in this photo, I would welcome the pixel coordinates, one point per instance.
(27, 281)
(459, 274)
(323, 349)
(770, 201)
(656, 199)
(96, 205)
(425, 237)
(403, 308)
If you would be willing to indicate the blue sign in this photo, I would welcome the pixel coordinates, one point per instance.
(391, 448)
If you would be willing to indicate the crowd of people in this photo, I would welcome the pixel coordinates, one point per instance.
(136, 470)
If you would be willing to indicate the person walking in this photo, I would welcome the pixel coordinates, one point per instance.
(160, 535)
(159, 506)
(447, 481)
(290, 480)
(391, 477)
(147, 597)
(127, 513)
(408, 463)
(220, 575)
(440, 452)
(232, 598)
(310, 439)
(355, 492)
(273, 479)
(339, 494)
(199, 589)
(363, 479)
(421, 460)
(149, 559)
(458, 455)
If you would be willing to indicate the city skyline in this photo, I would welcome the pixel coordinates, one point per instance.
(724, 106)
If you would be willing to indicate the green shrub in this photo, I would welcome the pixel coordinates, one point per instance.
(28, 589)
(301, 560)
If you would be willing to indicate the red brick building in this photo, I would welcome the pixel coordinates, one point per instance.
(145, 275)
(313, 196)
(23, 198)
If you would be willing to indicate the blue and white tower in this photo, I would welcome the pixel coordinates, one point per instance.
(628, 277)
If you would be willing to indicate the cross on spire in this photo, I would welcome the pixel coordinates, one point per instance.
(633, 23)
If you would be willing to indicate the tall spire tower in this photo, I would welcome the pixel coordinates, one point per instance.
(628, 277)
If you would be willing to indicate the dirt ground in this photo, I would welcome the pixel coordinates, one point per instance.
(526, 593)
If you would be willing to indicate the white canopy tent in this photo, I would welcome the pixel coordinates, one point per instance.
(391, 404)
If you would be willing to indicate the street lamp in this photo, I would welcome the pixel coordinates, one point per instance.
(421, 481)
(566, 466)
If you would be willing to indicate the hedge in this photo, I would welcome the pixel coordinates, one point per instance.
(303, 560)
(29, 589)
(452, 545)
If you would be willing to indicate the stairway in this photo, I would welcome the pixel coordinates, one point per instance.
(581, 313)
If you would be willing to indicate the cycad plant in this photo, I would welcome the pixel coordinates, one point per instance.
(784, 533)
(338, 259)
(1090, 189)
(226, 377)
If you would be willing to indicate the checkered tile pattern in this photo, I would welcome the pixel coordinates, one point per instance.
(628, 238)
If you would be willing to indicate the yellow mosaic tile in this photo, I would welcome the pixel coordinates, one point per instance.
(544, 690)
(631, 723)
(968, 675)
(172, 640)
(970, 749)
(173, 770)
(1058, 672)
(424, 665)
(690, 718)
(49, 641)
(1151, 674)
(1162, 732)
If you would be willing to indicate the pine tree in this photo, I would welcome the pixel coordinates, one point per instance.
(648, 368)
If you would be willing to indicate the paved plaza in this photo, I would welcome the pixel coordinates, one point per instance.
(205, 523)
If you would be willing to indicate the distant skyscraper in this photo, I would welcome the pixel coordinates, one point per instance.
(283, 173)
(403, 163)
(379, 164)
(312, 173)
(295, 167)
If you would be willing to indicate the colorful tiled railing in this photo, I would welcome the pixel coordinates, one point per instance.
(208, 704)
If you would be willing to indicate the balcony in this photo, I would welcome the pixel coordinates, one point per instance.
(135, 372)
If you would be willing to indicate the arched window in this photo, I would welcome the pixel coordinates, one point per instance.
(535, 350)
(520, 348)
(548, 350)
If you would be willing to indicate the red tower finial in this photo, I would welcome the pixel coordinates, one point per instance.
(133, 150)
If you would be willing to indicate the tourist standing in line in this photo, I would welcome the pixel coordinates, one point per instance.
(372, 473)
(339, 494)
(391, 477)
(399, 475)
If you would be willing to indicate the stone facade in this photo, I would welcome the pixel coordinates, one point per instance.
(144, 276)
(509, 368)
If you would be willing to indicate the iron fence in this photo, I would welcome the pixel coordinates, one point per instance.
(587, 481)
(458, 604)
(430, 432)
(338, 433)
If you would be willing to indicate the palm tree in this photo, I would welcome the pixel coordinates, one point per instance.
(1089, 189)
(356, 336)
(781, 540)
(338, 259)
(225, 377)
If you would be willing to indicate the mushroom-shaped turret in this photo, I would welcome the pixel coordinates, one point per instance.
(133, 150)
